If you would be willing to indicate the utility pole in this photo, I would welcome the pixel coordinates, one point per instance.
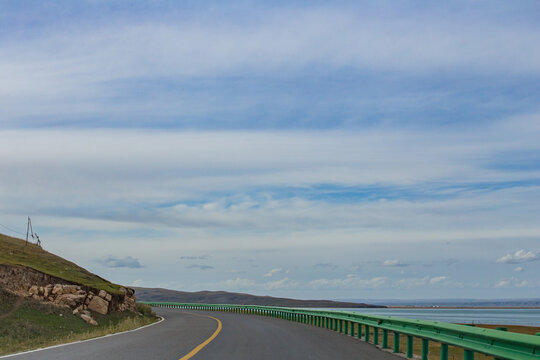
(29, 230)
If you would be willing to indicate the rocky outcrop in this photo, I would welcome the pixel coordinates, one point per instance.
(99, 305)
(82, 300)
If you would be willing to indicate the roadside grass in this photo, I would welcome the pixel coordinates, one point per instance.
(454, 353)
(15, 251)
(34, 325)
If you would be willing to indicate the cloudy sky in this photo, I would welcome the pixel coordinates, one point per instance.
(359, 150)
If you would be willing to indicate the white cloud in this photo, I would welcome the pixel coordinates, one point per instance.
(127, 170)
(238, 284)
(351, 281)
(68, 74)
(437, 280)
(393, 263)
(424, 281)
(518, 269)
(513, 282)
(519, 256)
(284, 283)
(272, 272)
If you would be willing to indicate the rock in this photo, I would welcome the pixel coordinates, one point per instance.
(89, 319)
(123, 290)
(76, 311)
(47, 291)
(102, 294)
(33, 290)
(70, 289)
(70, 300)
(81, 292)
(41, 290)
(99, 305)
(57, 289)
(108, 297)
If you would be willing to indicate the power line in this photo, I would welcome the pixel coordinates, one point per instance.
(10, 229)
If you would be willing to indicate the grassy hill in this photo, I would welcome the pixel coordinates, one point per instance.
(224, 297)
(15, 251)
(27, 324)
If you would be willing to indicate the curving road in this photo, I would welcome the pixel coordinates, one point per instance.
(189, 335)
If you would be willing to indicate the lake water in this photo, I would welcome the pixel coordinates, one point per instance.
(530, 317)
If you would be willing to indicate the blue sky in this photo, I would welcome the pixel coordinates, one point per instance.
(304, 149)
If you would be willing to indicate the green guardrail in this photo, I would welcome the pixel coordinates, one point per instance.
(497, 343)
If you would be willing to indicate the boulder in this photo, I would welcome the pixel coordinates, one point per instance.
(57, 289)
(102, 294)
(70, 300)
(70, 289)
(99, 305)
(33, 290)
(89, 319)
(108, 297)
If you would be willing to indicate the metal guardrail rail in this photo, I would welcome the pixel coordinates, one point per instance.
(496, 343)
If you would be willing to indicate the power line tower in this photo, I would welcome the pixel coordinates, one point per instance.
(29, 230)
(33, 235)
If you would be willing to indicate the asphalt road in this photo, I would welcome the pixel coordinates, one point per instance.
(242, 337)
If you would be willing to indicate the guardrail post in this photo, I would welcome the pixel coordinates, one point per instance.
(366, 336)
(468, 355)
(340, 326)
(396, 342)
(376, 335)
(444, 351)
(385, 339)
(359, 330)
(425, 349)
(410, 340)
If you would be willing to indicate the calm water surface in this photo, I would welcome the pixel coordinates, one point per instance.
(529, 317)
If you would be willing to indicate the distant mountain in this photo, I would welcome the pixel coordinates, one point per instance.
(223, 297)
(532, 302)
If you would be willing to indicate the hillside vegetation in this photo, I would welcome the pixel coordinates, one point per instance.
(27, 324)
(15, 251)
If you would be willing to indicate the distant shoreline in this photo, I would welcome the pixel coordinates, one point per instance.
(459, 307)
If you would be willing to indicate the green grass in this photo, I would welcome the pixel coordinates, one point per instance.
(16, 252)
(26, 324)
